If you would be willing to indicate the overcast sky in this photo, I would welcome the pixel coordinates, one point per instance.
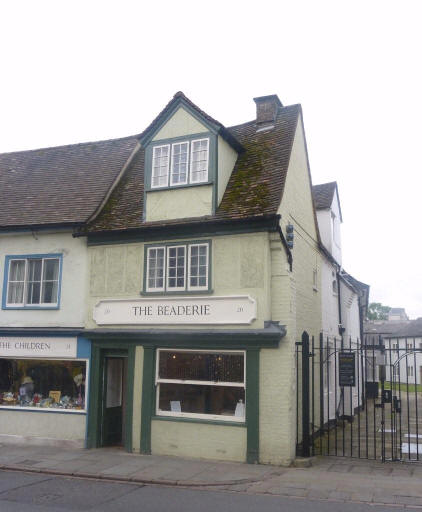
(75, 71)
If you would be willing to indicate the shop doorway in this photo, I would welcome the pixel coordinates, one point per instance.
(114, 400)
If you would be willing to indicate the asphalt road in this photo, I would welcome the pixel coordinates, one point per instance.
(26, 492)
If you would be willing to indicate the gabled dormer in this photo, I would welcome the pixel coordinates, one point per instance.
(327, 205)
(189, 157)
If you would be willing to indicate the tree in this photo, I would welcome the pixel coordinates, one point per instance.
(376, 311)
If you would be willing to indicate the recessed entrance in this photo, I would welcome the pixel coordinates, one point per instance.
(113, 423)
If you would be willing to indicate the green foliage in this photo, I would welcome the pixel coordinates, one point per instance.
(376, 311)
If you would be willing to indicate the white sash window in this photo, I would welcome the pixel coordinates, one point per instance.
(33, 282)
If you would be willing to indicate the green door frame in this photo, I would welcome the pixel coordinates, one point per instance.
(100, 350)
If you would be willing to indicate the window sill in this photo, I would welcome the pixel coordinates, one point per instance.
(173, 294)
(173, 187)
(200, 420)
(42, 409)
(31, 307)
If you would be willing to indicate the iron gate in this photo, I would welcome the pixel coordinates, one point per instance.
(359, 399)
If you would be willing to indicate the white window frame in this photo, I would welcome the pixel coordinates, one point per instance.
(187, 269)
(147, 288)
(191, 180)
(153, 166)
(217, 417)
(189, 170)
(25, 303)
(193, 288)
(172, 164)
(175, 288)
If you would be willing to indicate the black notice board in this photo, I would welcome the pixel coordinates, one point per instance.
(346, 369)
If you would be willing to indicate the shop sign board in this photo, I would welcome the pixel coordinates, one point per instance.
(239, 309)
(346, 369)
(38, 347)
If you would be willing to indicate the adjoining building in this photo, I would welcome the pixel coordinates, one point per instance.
(45, 195)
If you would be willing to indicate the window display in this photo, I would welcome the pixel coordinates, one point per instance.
(201, 384)
(42, 384)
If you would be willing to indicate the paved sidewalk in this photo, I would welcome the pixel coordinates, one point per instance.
(329, 478)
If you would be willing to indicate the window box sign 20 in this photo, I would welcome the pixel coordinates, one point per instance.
(182, 310)
(346, 369)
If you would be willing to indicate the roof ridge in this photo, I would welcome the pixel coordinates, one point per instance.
(61, 146)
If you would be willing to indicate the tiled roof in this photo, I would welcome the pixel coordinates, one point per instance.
(255, 187)
(67, 184)
(59, 185)
(323, 195)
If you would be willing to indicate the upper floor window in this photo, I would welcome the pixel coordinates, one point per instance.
(180, 163)
(32, 281)
(177, 267)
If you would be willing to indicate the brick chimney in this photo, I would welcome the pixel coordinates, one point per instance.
(267, 108)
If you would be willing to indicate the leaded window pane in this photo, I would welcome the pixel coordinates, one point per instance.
(198, 266)
(199, 165)
(176, 267)
(202, 366)
(156, 268)
(160, 166)
(179, 163)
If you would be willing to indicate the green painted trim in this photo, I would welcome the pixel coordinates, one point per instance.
(173, 244)
(252, 406)
(100, 350)
(194, 420)
(185, 230)
(147, 399)
(94, 399)
(167, 294)
(182, 339)
(212, 161)
(130, 379)
(215, 187)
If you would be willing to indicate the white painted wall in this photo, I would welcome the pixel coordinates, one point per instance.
(329, 224)
(330, 316)
(73, 284)
(413, 359)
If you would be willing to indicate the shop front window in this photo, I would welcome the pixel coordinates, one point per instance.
(200, 384)
(43, 384)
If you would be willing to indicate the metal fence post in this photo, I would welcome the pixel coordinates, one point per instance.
(306, 438)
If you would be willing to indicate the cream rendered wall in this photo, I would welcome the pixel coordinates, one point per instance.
(294, 303)
(227, 157)
(181, 123)
(297, 208)
(73, 283)
(179, 203)
(198, 440)
(239, 266)
(59, 429)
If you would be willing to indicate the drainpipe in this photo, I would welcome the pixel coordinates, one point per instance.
(284, 242)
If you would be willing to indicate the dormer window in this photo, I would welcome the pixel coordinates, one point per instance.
(180, 163)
